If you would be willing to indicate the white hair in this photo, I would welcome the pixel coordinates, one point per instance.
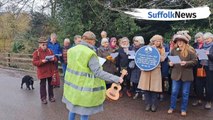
(53, 35)
(124, 39)
(67, 40)
(103, 32)
(140, 39)
(208, 35)
(198, 35)
(103, 40)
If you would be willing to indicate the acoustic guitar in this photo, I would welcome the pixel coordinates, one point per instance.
(113, 92)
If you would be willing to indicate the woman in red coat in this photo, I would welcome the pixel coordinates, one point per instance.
(44, 59)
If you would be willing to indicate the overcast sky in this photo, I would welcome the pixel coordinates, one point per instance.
(27, 7)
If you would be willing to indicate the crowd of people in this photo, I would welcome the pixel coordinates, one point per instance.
(85, 78)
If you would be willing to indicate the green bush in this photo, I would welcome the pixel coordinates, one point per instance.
(18, 46)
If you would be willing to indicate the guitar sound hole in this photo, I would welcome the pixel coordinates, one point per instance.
(115, 88)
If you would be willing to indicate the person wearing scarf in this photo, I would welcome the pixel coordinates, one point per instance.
(199, 82)
(104, 51)
(151, 81)
(64, 55)
(208, 66)
(198, 41)
(113, 44)
(138, 42)
(122, 62)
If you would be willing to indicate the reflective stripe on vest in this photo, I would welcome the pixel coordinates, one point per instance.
(80, 73)
(81, 87)
(84, 88)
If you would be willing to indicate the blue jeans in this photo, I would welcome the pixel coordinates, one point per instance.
(72, 116)
(185, 94)
(64, 68)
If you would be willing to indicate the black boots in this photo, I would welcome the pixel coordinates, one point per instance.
(152, 107)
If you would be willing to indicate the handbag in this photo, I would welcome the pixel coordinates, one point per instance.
(55, 78)
(201, 72)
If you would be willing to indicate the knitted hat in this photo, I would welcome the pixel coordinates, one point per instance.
(42, 40)
(103, 40)
(156, 37)
(183, 35)
(139, 39)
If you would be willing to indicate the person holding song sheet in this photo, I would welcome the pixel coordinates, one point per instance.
(151, 81)
(200, 82)
(182, 73)
(208, 66)
(104, 51)
(43, 59)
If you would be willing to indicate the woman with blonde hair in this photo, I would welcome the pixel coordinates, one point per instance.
(151, 81)
(182, 73)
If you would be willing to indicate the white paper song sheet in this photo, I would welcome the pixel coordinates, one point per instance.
(49, 57)
(101, 60)
(201, 54)
(174, 59)
(131, 54)
(114, 55)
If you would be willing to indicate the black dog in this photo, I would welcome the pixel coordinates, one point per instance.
(28, 80)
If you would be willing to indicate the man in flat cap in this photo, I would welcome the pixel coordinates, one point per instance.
(43, 59)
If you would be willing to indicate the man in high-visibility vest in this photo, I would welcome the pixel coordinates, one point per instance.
(84, 85)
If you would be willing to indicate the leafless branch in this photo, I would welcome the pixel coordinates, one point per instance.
(19, 11)
(96, 13)
(188, 3)
(117, 9)
(4, 3)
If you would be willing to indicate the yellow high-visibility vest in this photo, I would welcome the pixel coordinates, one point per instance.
(81, 87)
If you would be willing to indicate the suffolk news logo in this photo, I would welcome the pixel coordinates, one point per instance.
(170, 14)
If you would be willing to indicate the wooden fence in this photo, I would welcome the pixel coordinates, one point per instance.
(19, 61)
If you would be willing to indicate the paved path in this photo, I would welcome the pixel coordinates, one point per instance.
(22, 104)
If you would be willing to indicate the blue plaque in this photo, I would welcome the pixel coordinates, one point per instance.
(147, 58)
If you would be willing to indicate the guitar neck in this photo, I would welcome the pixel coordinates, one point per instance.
(122, 75)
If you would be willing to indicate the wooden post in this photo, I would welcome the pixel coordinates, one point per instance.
(8, 59)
